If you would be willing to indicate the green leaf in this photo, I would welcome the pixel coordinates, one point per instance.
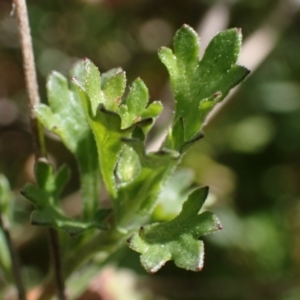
(137, 199)
(107, 75)
(106, 126)
(173, 194)
(135, 106)
(110, 121)
(65, 117)
(128, 165)
(186, 48)
(178, 239)
(113, 91)
(45, 196)
(92, 83)
(199, 86)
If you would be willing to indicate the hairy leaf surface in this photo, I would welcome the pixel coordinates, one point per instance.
(178, 239)
(199, 86)
(109, 119)
(65, 117)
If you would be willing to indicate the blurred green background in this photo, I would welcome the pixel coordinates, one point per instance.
(250, 157)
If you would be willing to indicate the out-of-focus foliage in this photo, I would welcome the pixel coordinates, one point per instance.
(249, 157)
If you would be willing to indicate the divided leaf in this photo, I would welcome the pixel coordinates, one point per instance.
(110, 121)
(199, 86)
(65, 117)
(177, 240)
(45, 196)
(135, 106)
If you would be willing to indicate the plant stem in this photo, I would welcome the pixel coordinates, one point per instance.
(37, 131)
(30, 77)
(109, 242)
(55, 255)
(14, 259)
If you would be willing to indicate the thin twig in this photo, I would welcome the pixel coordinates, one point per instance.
(37, 132)
(30, 76)
(14, 259)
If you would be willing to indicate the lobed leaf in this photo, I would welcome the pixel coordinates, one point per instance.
(195, 83)
(65, 117)
(113, 91)
(135, 106)
(178, 239)
(45, 197)
(110, 120)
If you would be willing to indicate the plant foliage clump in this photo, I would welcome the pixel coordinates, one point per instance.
(105, 129)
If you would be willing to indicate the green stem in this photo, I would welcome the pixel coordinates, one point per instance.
(55, 255)
(37, 130)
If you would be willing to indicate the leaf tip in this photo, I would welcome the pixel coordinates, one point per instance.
(154, 268)
(43, 160)
(219, 225)
(152, 271)
(186, 26)
(200, 267)
(162, 48)
(238, 30)
(206, 189)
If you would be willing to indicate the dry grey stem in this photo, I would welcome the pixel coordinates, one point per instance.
(27, 53)
(30, 76)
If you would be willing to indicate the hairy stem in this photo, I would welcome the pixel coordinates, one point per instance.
(37, 132)
(14, 259)
(30, 76)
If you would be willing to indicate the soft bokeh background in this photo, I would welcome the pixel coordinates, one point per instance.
(250, 156)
